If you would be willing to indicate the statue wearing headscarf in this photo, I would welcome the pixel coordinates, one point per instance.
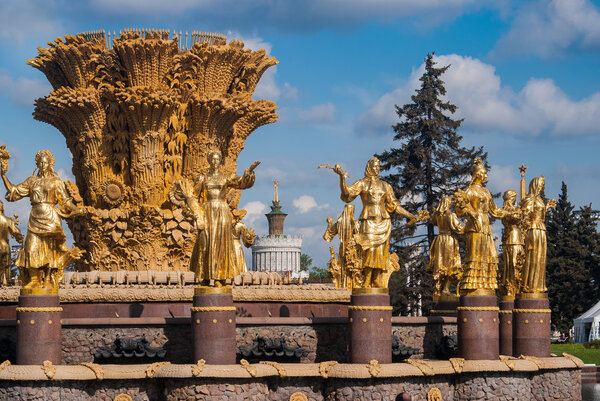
(533, 278)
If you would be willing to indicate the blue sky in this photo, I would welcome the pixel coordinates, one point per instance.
(523, 74)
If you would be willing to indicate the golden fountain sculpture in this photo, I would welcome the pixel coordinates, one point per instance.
(214, 256)
(372, 241)
(533, 277)
(45, 254)
(444, 256)
(8, 227)
(481, 261)
(139, 114)
(512, 247)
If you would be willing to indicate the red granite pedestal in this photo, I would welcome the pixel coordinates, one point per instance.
(370, 325)
(444, 305)
(531, 331)
(39, 335)
(213, 325)
(506, 325)
(478, 336)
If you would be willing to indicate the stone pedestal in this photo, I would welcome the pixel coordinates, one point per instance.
(370, 325)
(531, 331)
(477, 325)
(506, 326)
(213, 325)
(444, 305)
(39, 335)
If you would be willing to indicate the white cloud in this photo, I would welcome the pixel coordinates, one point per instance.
(307, 15)
(486, 105)
(22, 18)
(549, 28)
(326, 113)
(23, 91)
(306, 203)
(503, 178)
(255, 210)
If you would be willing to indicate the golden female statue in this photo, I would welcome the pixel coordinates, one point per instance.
(444, 257)
(241, 234)
(534, 215)
(476, 203)
(512, 245)
(8, 227)
(373, 237)
(45, 254)
(346, 229)
(214, 256)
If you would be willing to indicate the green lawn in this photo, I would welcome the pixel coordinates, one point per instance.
(586, 355)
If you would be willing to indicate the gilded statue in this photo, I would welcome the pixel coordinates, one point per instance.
(45, 254)
(533, 277)
(481, 261)
(214, 255)
(444, 256)
(241, 234)
(8, 227)
(373, 237)
(346, 228)
(512, 246)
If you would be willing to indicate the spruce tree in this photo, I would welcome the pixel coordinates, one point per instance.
(572, 259)
(429, 163)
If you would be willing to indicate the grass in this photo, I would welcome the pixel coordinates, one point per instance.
(590, 355)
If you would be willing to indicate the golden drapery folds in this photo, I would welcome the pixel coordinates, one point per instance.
(45, 254)
(481, 261)
(512, 246)
(534, 215)
(344, 270)
(241, 234)
(214, 254)
(444, 256)
(373, 237)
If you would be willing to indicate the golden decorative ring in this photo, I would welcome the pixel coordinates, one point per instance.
(358, 307)
(202, 289)
(532, 310)
(442, 311)
(212, 308)
(38, 309)
(479, 308)
(505, 311)
(370, 291)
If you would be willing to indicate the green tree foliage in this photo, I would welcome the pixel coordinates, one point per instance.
(572, 262)
(305, 262)
(428, 164)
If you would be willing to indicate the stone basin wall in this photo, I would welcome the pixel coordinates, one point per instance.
(553, 379)
(324, 339)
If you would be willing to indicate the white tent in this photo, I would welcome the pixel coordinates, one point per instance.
(587, 326)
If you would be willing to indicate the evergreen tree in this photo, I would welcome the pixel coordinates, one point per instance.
(429, 163)
(571, 259)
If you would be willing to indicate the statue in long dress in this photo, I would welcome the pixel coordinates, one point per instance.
(512, 246)
(8, 227)
(214, 256)
(533, 277)
(45, 254)
(373, 238)
(241, 235)
(481, 261)
(444, 256)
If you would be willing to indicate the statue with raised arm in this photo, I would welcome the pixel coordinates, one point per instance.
(214, 255)
(481, 261)
(533, 277)
(8, 228)
(444, 257)
(373, 237)
(45, 254)
(512, 246)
